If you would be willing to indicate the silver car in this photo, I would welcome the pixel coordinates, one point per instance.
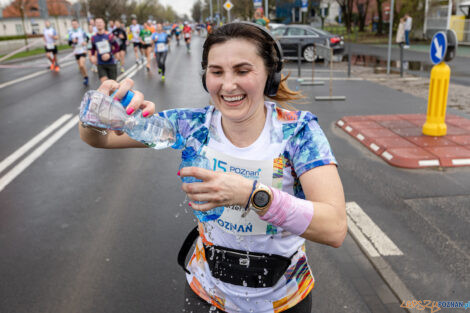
(291, 36)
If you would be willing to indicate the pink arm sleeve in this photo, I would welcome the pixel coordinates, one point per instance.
(289, 212)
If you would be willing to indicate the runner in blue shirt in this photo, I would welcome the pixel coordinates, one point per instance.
(160, 40)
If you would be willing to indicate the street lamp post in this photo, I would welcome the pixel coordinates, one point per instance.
(390, 29)
(266, 10)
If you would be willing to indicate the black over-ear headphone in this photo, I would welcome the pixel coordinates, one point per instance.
(274, 77)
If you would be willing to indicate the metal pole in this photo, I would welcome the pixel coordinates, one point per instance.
(401, 59)
(299, 61)
(313, 62)
(449, 13)
(218, 11)
(425, 26)
(210, 8)
(266, 9)
(331, 72)
(390, 29)
(228, 15)
(349, 59)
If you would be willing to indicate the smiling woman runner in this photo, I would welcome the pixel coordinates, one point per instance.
(274, 173)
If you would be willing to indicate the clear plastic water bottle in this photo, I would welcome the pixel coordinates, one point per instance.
(100, 110)
(191, 158)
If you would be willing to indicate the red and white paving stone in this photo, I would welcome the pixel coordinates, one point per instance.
(398, 139)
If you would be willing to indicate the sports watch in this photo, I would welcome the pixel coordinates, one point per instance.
(261, 198)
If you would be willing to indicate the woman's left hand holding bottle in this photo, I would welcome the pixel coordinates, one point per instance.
(138, 102)
(113, 139)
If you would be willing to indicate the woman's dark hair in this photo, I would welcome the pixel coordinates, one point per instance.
(265, 48)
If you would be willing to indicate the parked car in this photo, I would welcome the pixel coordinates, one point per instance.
(290, 36)
(273, 26)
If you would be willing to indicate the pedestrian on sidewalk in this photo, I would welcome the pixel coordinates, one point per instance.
(275, 178)
(401, 32)
(408, 26)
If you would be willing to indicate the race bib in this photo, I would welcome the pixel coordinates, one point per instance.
(103, 47)
(148, 40)
(119, 41)
(50, 46)
(232, 220)
(161, 47)
(187, 35)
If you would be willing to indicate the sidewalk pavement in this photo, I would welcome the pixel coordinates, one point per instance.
(463, 51)
(398, 139)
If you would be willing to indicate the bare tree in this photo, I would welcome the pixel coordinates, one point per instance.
(22, 8)
(362, 9)
(347, 10)
(381, 19)
(196, 11)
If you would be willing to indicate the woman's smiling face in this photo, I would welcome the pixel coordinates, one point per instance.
(235, 78)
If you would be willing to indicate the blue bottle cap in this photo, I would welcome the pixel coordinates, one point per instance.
(188, 153)
(127, 98)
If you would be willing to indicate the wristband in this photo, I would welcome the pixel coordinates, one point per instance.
(289, 212)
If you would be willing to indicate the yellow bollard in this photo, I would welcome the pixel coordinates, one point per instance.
(437, 101)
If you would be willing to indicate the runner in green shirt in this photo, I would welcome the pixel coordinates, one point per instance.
(146, 41)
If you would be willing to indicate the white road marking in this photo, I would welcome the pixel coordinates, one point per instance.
(360, 137)
(374, 147)
(27, 161)
(387, 155)
(341, 123)
(363, 241)
(18, 80)
(428, 162)
(123, 75)
(371, 231)
(31, 143)
(461, 162)
(348, 129)
(20, 167)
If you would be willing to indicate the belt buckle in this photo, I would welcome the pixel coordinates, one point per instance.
(244, 261)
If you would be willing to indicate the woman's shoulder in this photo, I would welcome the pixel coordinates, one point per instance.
(292, 121)
(285, 116)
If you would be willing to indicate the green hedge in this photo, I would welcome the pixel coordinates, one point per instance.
(3, 38)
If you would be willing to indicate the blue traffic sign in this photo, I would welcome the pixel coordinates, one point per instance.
(438, 47)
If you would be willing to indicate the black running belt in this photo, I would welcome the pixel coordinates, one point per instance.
(187, 244)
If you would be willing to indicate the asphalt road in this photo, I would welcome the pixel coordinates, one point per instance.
(89, 230)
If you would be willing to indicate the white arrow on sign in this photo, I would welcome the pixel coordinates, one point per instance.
(438, 49)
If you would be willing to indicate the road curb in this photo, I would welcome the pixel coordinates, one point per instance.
(385, 271)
